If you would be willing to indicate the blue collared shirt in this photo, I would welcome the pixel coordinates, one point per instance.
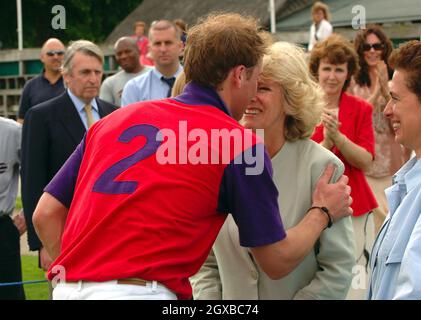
(147, 86)
(396, 255)
(80, 105)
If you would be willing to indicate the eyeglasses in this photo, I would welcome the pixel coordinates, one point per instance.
(375, 46)
(53, 52)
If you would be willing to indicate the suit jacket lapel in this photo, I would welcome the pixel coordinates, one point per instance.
(101, 109)
(70, 119)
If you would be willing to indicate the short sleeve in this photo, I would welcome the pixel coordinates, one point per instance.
(252, 199)
(106, 92)
(62, 186)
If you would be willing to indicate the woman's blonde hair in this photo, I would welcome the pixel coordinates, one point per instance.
(179, 84)
(323, 7)
(303, 98)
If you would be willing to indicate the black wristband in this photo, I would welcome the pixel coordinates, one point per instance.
(324, 210)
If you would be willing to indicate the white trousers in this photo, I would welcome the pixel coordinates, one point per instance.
(111, 290)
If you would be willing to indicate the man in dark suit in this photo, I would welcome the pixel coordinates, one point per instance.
(54, 128)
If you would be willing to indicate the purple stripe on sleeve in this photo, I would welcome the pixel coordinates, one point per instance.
(62, 186)
(252, 199)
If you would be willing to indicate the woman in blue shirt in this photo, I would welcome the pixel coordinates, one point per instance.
(396, 256)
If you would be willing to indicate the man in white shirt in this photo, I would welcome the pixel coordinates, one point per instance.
(165, 47)
(10, 263)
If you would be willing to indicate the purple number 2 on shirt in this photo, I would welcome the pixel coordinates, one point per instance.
(106, 183)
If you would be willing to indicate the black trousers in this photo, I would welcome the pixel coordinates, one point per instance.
(10, 264)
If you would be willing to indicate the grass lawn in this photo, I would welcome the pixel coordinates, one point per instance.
(30, 272)
(18, 203)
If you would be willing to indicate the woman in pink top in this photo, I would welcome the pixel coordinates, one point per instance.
(371, 83)
(142, 43)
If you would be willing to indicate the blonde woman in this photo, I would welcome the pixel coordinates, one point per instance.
(179, 84)
(287, 106)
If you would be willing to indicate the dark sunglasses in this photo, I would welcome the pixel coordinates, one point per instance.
(375, 46)
(53, 52)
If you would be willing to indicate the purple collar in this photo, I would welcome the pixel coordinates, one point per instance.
(195, 94)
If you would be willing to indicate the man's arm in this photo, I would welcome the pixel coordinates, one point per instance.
(253, 201)
(19, 222)
(19, 219)
(49, 220)
(106, 92)
(51, 212)
(280, 258)
(24, 103)
(129, 94)
(34, 164)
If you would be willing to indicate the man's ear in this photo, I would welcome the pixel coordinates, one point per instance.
(65, 76)
(238, 74)
(42, 57)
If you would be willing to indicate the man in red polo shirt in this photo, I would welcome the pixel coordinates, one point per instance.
(124, 223)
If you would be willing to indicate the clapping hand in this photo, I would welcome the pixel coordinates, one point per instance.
(382, 73)
(331, 124)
